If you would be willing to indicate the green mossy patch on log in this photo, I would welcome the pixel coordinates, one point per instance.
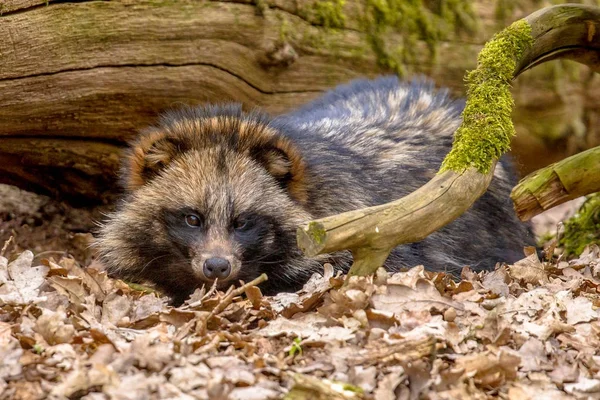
(487, 126)
(411, 21)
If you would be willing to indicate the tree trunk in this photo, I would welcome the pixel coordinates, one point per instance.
(77, 80)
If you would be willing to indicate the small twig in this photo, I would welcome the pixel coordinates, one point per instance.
(227, 300)
(5, 247)
(48, 252)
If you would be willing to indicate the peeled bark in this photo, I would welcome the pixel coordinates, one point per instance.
(565, 180)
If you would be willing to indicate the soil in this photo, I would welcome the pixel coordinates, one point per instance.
(46, 226)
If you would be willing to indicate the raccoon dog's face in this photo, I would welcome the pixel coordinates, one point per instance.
(213, 195)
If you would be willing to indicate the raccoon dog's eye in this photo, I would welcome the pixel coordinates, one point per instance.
(243, 223)
(192, 220)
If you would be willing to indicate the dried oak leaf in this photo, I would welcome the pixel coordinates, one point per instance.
(529, 270)
(10, 354)
(491, 368)
(54, 328)
(533, 356)
(288, 304)
(584, 385)
(308, 387)
(62, 356)
(138, 386)
(422, 296)
(55, 269)
(190, 377)
(496, 281)
(589, 258)
(535, 390)
(254, 393)
(564, 372)
(386, 387)
(19, 281)
(96, 282)
(147, 305)
(364, 377)
(70, 287)
(115, 308)
(84, 378)
(579, 309)
(150, 353)
(312, 326)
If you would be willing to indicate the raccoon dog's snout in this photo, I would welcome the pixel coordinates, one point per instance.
(217, 268)
(209, 267)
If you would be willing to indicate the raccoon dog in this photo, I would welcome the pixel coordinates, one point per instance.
(214, 193)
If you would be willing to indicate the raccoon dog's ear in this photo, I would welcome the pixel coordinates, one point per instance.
(151, 153)
(284, 162)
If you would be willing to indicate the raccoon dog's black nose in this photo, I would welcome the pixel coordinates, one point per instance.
(217, 267)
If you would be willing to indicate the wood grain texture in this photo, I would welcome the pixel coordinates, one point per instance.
(98, 71)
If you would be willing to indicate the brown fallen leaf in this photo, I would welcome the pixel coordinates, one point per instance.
(288, 304)
(533, 356)
(386, 387)
(19, 281)
(70, 287)
(311, 326)
(529, 270)
(497, 281)
(115, 308)
(423, 297)
(491, 368)
(54, 327)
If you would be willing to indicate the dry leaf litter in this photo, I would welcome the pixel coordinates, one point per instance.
(524, 331)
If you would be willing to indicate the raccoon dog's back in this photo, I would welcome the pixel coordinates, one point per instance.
(218, 193)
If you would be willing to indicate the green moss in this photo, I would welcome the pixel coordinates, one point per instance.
(38, 348)
(393, 28)
(261, 7)
(317, 232)
(296, 347)
(487, 126)
(284, 29)
(141, 288)
(329, 13)
(583, 228)
(414, 20)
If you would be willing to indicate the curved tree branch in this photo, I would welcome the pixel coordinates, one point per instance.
(568, 31)
(557, 183)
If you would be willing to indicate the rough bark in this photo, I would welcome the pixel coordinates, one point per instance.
(85, 76)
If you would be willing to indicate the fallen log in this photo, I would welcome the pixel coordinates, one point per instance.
(96, 72)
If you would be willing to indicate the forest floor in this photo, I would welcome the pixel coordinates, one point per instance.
(523, 331)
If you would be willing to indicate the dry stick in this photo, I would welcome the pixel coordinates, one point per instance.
(564, 31)
(5, 247)
(557, 183)
(227, 300)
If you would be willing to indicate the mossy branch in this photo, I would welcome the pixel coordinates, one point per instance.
(565, 180)
(583, 229)
(483, 137)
